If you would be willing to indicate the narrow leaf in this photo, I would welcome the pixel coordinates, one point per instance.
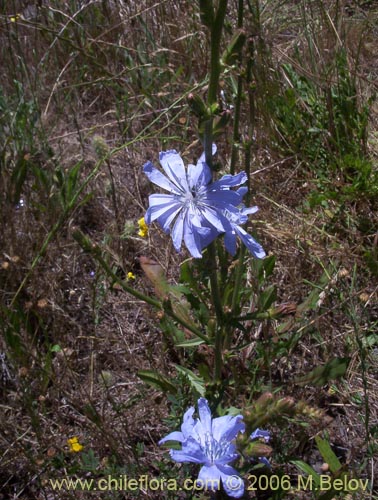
(190, 343)
(195, 381)
(157, 380)
(307, 469)
(328, 454)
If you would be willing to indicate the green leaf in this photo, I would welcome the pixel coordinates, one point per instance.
(230, 55)
(157, 380)
(269, 264)
(190, 343)
(267, 297)
(307, 469)
(19, 177)
(195, 381)
(335, 368)
(72, 181)
(311, 303)
(171, 330)
(264, 268)
(328, 454)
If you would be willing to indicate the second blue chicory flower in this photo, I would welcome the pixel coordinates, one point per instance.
(209, 442)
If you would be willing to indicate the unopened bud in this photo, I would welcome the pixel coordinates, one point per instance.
(257, 449)
(265, 400)
(285, 405)
(198, 106)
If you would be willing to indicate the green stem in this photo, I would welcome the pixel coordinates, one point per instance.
(215, 71)
(235, 135)
(217, 303)
(215, 67)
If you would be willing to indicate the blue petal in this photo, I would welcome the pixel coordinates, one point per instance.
(229, 456)
(255, 248)
(209, 478)
(174, 167)
(159, 179)
(223, 198)
(158, 209)
(173, 436)
(188, 422)
(229, 180)
(167, 218)
(227, 427)
(193, 236)
(214, 218)
(233, 484)
(178, 231)
(206, 239)
(242, 191)
(205, 415)
(250, 210)
(230, 242)
(198, 175)
(191, 452)
(259, 433)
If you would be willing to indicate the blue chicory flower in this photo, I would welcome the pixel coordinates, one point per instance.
(198, 210)
(209, 442)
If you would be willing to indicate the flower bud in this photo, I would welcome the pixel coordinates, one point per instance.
(285, 405)
(257, 449)
(198, 106)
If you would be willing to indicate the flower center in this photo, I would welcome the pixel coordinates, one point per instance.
(215, 449)
(189, 196)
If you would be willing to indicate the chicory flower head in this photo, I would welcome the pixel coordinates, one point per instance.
(196, 209)
(209, 442)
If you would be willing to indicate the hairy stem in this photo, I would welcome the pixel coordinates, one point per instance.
(215, 71)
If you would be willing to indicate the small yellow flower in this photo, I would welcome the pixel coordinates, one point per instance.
(130, 276)
(143, 228)
(74, 445)
(15, 18)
